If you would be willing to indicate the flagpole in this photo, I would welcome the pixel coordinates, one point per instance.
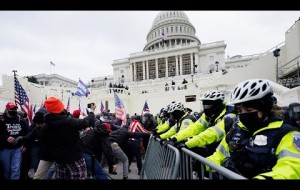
(15, 75)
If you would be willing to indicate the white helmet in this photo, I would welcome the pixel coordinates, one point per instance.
(176, 106)
(213, 95)
(252, 89)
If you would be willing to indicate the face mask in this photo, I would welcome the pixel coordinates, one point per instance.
(209, 112)
(177, 114)
(251, 121)
(12, 113)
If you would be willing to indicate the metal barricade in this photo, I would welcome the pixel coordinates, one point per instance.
(167, 162)
(187, 168)
(161, 162)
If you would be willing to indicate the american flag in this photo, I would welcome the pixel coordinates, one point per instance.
(136, 126)
(164, 36)
(102, 109)
(82, 89)
(145, 108)
(68, 105)
(22, 100)
(120, 109)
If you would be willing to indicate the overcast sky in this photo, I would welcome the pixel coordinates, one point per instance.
(83, 44)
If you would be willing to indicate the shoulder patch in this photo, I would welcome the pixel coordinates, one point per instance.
(296, 141)
(186, 123)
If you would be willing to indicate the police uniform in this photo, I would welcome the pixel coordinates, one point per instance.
(271, 152)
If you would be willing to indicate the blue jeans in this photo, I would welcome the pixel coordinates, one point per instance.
(10, 160)
(93, 165)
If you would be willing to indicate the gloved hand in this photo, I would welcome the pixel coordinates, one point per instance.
(170, 142)
(181, 145)
(156, 137)
(162, 141)
(173, 139)
(154, 132)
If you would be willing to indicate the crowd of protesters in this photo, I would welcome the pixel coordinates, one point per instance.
(63, 145)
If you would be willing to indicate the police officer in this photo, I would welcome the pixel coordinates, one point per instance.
(207, 132)
(260, 145)
(182, 118)
(166, 121)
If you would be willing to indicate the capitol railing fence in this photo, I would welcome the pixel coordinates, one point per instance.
(186, 170)
(167, 162)
(161, 162)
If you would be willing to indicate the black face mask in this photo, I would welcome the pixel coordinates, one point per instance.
(177, 114)
(209, 112)
(12, 113)
(251, 121)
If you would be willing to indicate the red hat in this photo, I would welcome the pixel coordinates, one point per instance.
(54, 105)
(76, 113)
(11, 105)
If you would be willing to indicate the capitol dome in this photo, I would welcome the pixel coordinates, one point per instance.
(176, 27)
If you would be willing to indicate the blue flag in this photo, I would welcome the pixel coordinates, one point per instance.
(82, 89)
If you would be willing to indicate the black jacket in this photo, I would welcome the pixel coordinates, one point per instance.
(62, 136)
(36, 136)
(96, 142)
(14, 127)
(122, 135)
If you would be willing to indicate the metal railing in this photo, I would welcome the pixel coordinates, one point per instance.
(161, 162)
(167, 162)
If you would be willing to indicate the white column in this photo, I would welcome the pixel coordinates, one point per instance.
(156, 67)
(147, 73)
(166, 61)
(143, 70)
(176, 61)
(180, 64)
(191, 63)
(134, 71)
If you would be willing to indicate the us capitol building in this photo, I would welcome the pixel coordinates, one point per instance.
(174, 54)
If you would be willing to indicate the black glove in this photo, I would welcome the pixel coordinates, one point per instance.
(173, 139)
(162, 141)
(154, 132)
(181, 145)
(170, 142)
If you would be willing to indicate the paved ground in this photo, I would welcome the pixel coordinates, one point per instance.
(132, 175)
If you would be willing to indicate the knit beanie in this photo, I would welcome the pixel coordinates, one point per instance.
(54, 105)
(38, 117)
